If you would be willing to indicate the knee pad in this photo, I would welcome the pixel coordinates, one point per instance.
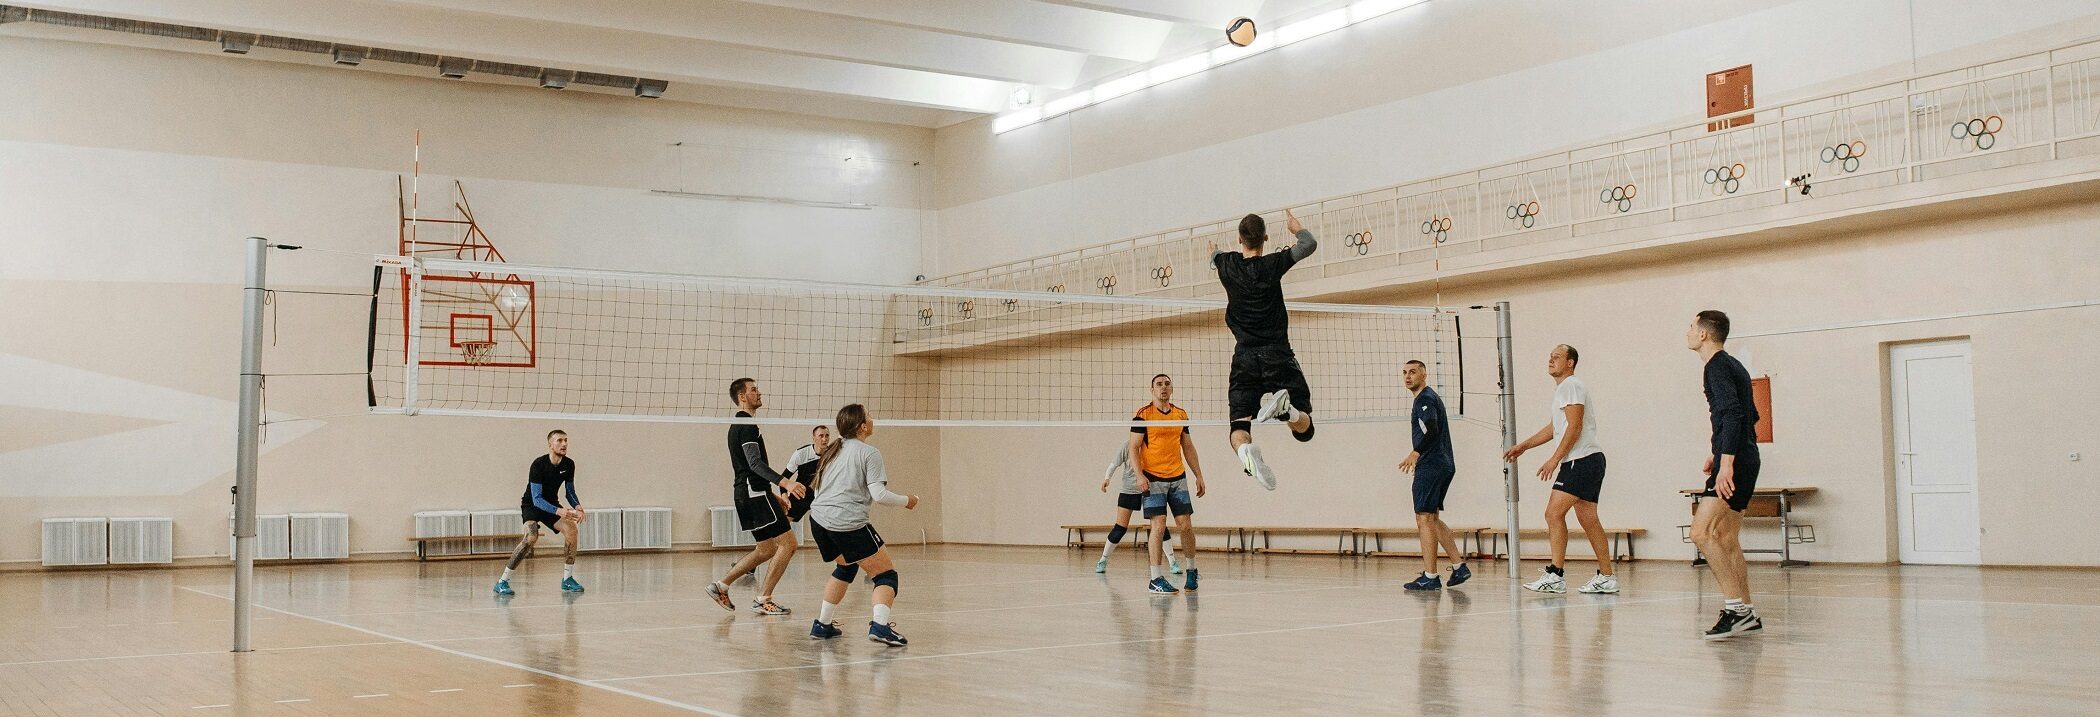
(1115, 534)
(886, 579)
(845, 573)
(1307, 435)
(1243, 425)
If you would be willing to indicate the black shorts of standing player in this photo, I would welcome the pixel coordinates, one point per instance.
(1430, 489)
(854, 545)
(1130, 501)
(1168, 494)
(1258, 371)
(1582, 477)
(765, 516)
(1746, 467)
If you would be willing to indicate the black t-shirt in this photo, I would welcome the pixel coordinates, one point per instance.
(1730, 407)
(740, 434)
(1254, 297)
(552, 480)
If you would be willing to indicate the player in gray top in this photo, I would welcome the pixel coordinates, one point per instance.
(1127, 500)
(851, 477)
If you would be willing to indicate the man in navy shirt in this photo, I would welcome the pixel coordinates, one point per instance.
(552, 478)
(1731, 473)
(1433, 467)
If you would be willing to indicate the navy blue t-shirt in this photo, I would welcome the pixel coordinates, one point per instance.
(1431, 429)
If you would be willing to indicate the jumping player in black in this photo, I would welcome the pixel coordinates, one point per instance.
(1265, 383)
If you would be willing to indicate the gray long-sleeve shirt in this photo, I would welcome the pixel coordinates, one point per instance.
(853, 480)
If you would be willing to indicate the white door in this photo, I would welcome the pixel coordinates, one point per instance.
(1932, 402)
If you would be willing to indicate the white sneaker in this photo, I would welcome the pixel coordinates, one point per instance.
(1601, 584)
(1274, 407)
(1250, 460)
(1547, 583)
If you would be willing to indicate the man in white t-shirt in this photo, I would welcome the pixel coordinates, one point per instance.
(1577, 471)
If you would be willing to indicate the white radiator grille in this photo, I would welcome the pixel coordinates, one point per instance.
(600, 530)
(645, 528)
(446, 524)
(497, 522)
(135, 541)
(273, 537)
(319, 536)
(76, 541)
(722, 520)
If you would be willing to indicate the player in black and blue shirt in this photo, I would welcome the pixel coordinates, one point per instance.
(1432, 464)
(552, 477)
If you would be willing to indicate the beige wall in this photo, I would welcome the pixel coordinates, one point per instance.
(2033, 404)
(128, 176)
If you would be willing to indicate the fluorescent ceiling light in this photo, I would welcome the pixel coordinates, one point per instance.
(1229, 52)
(1316, 25)
(1068, 103)
(1368, 9)
(1015, 120)
(1178, 69)
(1119, 87)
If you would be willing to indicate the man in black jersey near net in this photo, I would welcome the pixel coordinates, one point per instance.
(757, 509)
(552, 477)
(1265, 383)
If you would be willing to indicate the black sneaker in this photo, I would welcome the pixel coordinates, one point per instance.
(1733, 624)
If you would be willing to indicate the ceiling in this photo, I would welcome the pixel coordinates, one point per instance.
(927, 63)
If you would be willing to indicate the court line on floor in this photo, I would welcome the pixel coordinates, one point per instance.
(1107, 643)
(929, 614)
(186, 654)
(709, 601)
(491, 660)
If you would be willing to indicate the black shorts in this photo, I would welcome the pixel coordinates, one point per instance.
(1130, 501)
(1582, 477)
(532, 514)
(854, 545)
(1430, 487)
(763, 513)
(1746, 466)
(1168, 494)
(1262, 370)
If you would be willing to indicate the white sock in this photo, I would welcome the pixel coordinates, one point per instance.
(1294, 415)
(1244, 448)
(763, 599)
(1735, 606)
(1431, 576)
(1155, 572)
(1109, 548)
(568, 570)
(882, 614)
(1188, 562)
(824, 612)
(506, 574)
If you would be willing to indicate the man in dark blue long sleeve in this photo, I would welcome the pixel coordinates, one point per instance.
(1731, 470)
(1433, 466)
(551, 475)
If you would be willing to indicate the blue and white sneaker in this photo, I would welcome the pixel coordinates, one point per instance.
(1190, 584)
(1173, 566)
(1425, 582)
(1101, 566)
(569, 585)
(503, 588)
(1460, 574)
(820, 630)
(1161, 586)
(886, 634)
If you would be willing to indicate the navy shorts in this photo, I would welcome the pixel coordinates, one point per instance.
(1430, 487)
(1168, 493)
(1582, 477)
(854, 545)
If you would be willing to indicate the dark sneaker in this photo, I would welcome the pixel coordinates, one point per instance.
(886, 634)
(1460, 574)
(820, 630)
(1161, 586)
(1190, 585)
(1733, 623)
(1425, 582)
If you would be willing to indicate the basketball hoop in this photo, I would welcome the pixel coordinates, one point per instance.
(476, 353)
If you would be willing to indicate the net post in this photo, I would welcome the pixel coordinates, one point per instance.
(1506, 380)
(414, 341)
(246, 439)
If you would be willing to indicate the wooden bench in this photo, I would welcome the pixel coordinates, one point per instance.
(423, 545)
(1345, 538)
(1075, 535)
(1494, 536)
(1376, 538)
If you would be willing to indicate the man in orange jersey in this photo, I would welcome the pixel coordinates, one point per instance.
(1164, 459)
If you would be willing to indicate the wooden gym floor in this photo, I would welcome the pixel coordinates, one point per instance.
(1034, 631)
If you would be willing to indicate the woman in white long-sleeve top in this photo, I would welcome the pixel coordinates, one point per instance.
(851, 478)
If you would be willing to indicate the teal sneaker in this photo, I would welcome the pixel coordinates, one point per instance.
(570, 585)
